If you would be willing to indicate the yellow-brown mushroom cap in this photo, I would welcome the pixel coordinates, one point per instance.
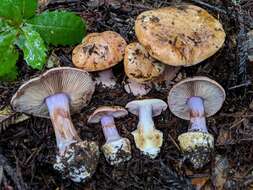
(139, 65)
(179, 35)
(99, 51)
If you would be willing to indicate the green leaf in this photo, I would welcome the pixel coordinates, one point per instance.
(9, 10)
(7, 37)
(27, 7)
(33, 47)
(8, 54)
(59, 28)
(8, 59)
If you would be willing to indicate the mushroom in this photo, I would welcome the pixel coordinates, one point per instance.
(147, 138)
(55, 94)
(179, 35)
(100, 52)
(141, 69)
(116, 149)
(195, 99)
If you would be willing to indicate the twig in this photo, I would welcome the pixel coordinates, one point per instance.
(17, 180)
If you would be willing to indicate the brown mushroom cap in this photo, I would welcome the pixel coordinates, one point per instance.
(157, 106)
(75, 83)
(179, 35)
(114, 111)
(99, 51)
(210, 91)
(139, 65)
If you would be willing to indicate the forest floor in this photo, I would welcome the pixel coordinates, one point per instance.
(29, 147)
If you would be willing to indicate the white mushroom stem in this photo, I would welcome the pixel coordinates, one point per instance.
(106, 78)
(197, 114)
(109, 129)
(146, 123)
(65, 132)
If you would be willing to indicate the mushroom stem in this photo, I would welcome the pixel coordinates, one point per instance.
(109, 129)
(106, 78)
(197, 114)
(65, 132)
(146, 122)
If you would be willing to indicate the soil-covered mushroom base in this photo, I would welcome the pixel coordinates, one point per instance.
(30, 148)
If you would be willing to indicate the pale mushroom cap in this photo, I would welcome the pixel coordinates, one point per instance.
(114, 111)
(99, 51)
(157, 106)
(179, 35)
(75, 83)
(210, 91)
(139, 65)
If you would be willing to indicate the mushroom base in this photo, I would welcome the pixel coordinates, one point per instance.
(197, 147)
(79, 161)
(117, 151)
(149, 143)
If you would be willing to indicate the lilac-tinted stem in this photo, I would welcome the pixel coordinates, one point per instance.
(145, 118)
(65, 132)
(197, 114)
(109, 128)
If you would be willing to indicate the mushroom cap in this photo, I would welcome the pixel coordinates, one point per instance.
(210, 91)
(157, 106)
(99, 51)
(139, 65)
(114, 111)
(179, 35)
(75, 83)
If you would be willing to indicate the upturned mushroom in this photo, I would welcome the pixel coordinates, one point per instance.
(195, 99)
(116, 149)
(55, 94)
(100, 52)
(180, 35)
(147, 138)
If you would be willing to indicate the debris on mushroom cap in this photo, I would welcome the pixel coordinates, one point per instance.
(114, 111)
(137, 89)
(75, 83)
(99, 51)
(197, 147)
(117, 151)
(79, 161)
(139, 65)
(179, 35)
(210, 91)
(250, 51)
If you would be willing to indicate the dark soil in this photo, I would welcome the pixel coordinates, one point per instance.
(30, 147)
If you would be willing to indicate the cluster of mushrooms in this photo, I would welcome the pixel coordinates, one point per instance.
(181, 35)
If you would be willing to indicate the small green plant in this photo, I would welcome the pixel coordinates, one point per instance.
(21, 27)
